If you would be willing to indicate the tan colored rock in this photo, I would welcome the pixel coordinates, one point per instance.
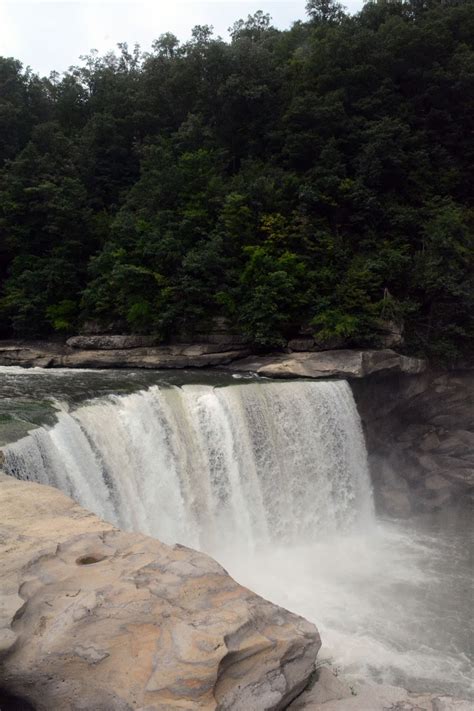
(447, 703)
(333, 693)
(28, 356)
(101, 353)
(51, 355)
(99, 619)
(328, 687)
(336, 363)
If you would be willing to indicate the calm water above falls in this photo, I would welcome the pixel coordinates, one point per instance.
(271, 479)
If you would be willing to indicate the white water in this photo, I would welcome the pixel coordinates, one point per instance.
(271, 479)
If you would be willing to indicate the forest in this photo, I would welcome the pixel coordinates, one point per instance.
(316, 179)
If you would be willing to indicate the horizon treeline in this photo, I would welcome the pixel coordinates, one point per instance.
(317, 178)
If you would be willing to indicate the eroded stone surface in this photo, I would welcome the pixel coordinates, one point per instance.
(336, 363)
(333, 693)
(97, 618)
(101, 353)
(420, 438)
(108, 351)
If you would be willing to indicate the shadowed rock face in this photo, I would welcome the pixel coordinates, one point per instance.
(96, 618)
(420, 439)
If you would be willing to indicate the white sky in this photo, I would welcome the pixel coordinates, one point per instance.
(51, 34)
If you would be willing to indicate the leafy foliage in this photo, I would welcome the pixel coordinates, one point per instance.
(319, 177)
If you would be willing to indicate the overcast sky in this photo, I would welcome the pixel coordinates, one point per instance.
(52, 34)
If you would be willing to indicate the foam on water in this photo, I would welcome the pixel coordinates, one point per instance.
(272, 480)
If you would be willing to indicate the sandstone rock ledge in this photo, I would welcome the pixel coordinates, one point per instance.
(334, 364)
(95, 618)
(123, 352)
(57, 355)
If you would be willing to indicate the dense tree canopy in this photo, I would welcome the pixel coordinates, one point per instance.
(317, 178)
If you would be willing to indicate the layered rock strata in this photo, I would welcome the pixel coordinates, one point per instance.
(96, 618)
(103, 352)
(420, 439)
(331, 364)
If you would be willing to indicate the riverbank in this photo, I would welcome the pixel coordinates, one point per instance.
(417, 420)
(104, 353)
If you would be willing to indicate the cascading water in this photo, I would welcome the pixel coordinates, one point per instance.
(257, 463)
(272, 480)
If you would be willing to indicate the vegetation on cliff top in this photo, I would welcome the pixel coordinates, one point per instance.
(316, 177)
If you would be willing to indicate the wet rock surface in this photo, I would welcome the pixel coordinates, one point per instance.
(333, 693)
(420, 438)
(96, 618)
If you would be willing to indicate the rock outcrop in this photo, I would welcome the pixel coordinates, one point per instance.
(333, 693)
(207, 343)
(100, 353)
(109, 351)
(100, 619)
(420, 439)
(331, 364)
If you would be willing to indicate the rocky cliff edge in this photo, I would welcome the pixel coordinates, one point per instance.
(92, 617)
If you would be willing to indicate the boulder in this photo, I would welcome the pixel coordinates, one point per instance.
(92, 617)
(336, 363)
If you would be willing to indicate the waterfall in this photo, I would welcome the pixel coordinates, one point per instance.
(271, 479)
(208, 466)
